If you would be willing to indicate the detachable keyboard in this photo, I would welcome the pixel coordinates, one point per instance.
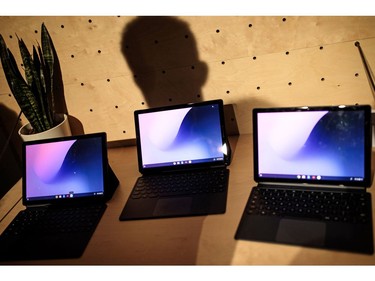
(36, 221)
(345, 206)
(177, 184)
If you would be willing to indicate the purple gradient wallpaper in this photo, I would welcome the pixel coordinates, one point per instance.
(319, 143)
(180, 135)
(70, 167)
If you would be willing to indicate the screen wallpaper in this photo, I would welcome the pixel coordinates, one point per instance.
(181, 136)
(312, 145)
(65, 169)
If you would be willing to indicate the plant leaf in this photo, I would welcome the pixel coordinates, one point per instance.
(27, 61)
(39, 91)
(49, 61)
(26, 100)
(33, 79)
(58, 103)
(8, 62)
(19, 87)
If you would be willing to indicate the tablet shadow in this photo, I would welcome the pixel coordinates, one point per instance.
(10, 149)
(163, 57)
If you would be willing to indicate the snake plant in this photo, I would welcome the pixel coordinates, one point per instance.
(37, 90)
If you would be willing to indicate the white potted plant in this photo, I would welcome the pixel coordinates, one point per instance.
(39, 92)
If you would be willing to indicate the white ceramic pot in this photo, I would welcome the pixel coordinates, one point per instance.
(61, 130)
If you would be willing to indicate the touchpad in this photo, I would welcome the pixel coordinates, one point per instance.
(308, 233)
(173, 206)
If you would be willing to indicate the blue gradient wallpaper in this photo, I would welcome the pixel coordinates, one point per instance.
(64, 169)
(180, 135)
(312, 144)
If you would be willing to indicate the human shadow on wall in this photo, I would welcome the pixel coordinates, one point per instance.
(163, 57)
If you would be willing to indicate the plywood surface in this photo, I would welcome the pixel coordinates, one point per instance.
(115, 65)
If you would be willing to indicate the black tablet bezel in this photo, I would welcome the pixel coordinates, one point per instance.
(155, 170)
(367, 146)
(75, 200)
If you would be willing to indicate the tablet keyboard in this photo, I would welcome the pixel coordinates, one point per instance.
(177, 184)
(320, 205)
(53, 221)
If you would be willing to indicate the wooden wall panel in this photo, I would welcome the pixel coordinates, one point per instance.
(246, 61)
